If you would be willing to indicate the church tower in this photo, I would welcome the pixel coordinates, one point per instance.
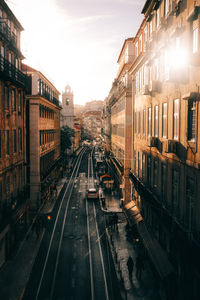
(67, 112)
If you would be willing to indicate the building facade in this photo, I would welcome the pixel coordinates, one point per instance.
(164, 172)
(13, 185)
(43, 143)
(166, 149)
(77, 132)
(119, 113)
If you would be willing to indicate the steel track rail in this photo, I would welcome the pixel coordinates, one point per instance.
(90, 169)
(75, 171)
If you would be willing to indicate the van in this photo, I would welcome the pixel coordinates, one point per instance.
(92, 193)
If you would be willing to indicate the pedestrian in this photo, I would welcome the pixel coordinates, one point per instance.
(37, 228)
(139, 267)
(130, 265)
(115, 221)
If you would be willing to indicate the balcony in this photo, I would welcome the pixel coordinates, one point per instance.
(9, 72)
(7, 34)
(47, 96)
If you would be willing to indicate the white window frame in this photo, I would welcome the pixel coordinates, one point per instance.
(195, 40)
(176, 119)
(156, 120)
(164, 120)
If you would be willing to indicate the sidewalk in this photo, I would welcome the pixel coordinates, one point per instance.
(121, 249)
(14, 275)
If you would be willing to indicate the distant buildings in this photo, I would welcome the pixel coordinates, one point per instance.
(43, 143)
(67, 112)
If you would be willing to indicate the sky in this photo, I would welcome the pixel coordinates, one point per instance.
(77, 42)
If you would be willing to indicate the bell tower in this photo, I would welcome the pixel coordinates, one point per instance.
(67, 112)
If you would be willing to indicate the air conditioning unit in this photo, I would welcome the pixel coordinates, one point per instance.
(145, 89)
(172, 7)
(171, 146)
(155, 86)
(163, 22)
(152, 141)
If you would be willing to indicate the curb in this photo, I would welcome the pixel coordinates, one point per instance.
(118, 271)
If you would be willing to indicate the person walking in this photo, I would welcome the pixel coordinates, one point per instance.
(115, 221)
(139, 267)
(130, 265)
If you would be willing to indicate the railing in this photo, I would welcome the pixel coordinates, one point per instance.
(10, 36)
(47, 96)
(10, 72)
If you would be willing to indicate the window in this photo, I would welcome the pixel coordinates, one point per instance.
(190, 201)
(138, 164)
(139, 123)
(13, 100)
(145, 34)
(156, 121)
(149, 170)
(134, 161)
(14, 141)
(191, 120)
(143, 166)
(136, 49)
(2, 57)
(175, 192)
(144, 122)
(150, 30)
(140, 44)
(164, 183)
(7, 143)
(6, 93)
(166, 7)
(176, 119)
(20, 139)
(157, 18)
(20, 101)
(135, 121)
(164, 120)
(149, 122)
(195, 40)
(155, 173)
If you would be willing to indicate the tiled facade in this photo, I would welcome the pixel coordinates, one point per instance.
(165, 155)
(13, 185)
(43, 114)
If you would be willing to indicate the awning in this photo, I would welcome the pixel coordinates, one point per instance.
(156, 253)
(132, 212)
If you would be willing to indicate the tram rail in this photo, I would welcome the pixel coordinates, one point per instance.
(63, 203)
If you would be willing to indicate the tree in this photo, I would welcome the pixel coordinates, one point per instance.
(66, 134)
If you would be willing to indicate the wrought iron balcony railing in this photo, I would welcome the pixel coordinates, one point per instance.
(9, 72)
(47, 96)
(5, 30)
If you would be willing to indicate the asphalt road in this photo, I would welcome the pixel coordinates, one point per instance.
(74, 260)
